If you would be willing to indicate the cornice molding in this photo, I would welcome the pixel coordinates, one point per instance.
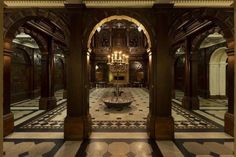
(117, 3)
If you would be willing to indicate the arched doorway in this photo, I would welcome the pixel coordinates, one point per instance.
(41, 62)
(217, 70)
(127, 35)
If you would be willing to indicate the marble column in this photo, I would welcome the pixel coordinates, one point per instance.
(77, 122)
(48, 99)
(160, 121)
(8, 117)
(1, 78)
(190, 100)
(229, 115)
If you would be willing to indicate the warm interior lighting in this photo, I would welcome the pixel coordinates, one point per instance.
(139, 28)
(117, 57)
(99, 29)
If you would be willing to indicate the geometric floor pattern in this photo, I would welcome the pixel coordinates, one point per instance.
(119, 132)
(128, 119)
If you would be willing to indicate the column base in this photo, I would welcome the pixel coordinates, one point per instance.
(160, 128)
(229, 123)
(190, 103)
(47, 103)
(64, 94)
(8, 124)
(77, 128)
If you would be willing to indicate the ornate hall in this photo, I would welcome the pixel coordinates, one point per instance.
(117, 78)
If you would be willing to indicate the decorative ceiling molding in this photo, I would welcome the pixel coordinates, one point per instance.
(117, 3)
(34, 3)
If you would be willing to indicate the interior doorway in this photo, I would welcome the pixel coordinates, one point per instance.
(125, 40)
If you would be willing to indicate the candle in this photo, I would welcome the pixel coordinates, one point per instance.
(115, 55)
(109, 59)
(120, 55)
(126, 59)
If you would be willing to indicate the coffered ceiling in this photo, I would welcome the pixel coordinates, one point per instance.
(116, 3)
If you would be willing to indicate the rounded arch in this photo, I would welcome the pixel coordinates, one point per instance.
(219, 56)
(38, 38)
(225, 22)
(119, 17)
(25, 55)
(217, 72)
(13, 21)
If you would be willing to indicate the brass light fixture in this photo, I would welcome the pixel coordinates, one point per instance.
(118, 62)
(118, 58)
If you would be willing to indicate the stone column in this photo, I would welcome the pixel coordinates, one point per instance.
(160, 121)
(190, 100)
(229, 115)
(1, 79)
(48, 99)
(8, 117)
(77, 122)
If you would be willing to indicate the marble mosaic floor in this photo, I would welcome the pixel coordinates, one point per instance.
(119, 132)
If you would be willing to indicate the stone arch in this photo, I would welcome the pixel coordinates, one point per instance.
(217, 72)
(102, 16)
(120, 17)
(15, 19)
(39, 39)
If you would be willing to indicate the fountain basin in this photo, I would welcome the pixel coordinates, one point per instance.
(114, 102)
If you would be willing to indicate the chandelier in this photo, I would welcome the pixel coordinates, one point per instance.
(118, 61)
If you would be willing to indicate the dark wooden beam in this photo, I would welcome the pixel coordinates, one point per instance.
(194, 31)
(45, 31)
